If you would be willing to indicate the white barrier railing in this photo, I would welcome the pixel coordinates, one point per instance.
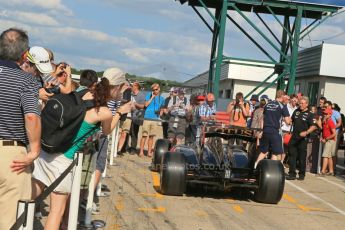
(114, 144)
(75, 194)
(28, 205)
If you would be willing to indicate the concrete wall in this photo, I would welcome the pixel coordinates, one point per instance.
(247, 86)
(332, 60)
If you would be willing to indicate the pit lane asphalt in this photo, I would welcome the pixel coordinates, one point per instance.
(135, 203)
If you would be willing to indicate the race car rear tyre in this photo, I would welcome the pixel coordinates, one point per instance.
(271, 181)
(173, 174)
(161, 147)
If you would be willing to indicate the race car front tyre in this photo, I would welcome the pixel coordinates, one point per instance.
(271, 182)
(173, 174)
(161, 147)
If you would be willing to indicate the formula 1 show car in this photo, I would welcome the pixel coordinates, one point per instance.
(215, 161)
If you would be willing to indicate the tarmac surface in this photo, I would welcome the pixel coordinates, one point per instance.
(135, 203)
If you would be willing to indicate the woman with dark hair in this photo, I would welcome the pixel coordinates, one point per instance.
(48, 167)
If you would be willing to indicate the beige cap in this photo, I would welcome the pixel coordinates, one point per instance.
(115, 76)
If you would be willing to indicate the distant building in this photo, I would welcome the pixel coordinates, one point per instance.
(235, 78)
(321, 72)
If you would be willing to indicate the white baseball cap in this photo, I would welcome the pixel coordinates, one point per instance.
(115, 76)
(40, 57)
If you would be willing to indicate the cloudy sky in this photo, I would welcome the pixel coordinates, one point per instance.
(147, 37)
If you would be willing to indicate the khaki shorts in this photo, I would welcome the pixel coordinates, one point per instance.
(329, 149)
(13, 186)
(126, 125)
(151, 128)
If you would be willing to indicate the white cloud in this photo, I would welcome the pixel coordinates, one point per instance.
(182, 45)
(146, 54)
(30, 18)
(42, 4)
(175, 14)
(95, 35)
(84, 62)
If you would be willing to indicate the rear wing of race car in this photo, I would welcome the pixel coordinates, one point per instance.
(230, 132)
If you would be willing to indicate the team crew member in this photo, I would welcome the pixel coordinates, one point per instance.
(20, 125)
(303, 124)
(274, 112)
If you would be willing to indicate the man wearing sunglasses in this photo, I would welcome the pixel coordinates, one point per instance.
(153, 104)
(20, 125)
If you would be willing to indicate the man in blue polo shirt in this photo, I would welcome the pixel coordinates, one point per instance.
(154, 103)
(274, 112)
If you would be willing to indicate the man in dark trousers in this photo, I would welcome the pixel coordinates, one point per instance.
(303, 124)
(138, 99)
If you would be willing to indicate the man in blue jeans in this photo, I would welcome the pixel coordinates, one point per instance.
(274, 112)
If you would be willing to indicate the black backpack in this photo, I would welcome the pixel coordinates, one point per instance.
(61, 120)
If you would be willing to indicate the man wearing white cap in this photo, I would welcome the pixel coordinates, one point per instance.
(36, 61)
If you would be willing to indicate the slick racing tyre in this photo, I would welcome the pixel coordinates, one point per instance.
(173, 174)
(271, 181)
(161, 147)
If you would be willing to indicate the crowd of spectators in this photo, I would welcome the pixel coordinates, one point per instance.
(29, 77)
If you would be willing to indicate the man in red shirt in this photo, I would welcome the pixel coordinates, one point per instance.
(328, 138)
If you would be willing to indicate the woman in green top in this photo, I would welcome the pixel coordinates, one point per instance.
(48, 167)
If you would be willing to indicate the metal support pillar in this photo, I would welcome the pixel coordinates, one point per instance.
(294, 54)
(223, 15)
(281, 82)
(213, 52)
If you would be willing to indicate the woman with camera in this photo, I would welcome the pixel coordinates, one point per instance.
(239, 111)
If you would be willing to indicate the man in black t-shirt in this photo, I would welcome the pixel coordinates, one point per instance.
(321, 106)
(303, 125)
(274, 112)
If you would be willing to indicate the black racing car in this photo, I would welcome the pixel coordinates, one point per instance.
(213, 161)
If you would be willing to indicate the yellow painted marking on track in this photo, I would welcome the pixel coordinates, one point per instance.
(315, 209)
(119, 205)
(116, 227)
(238, 208)
(156, 180)
(289, 198)
(201, 213)
(159, 209)
(307, 209)
(303, 208)
(155, 195)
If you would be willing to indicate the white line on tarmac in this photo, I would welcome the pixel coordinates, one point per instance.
(316, 197)
(341, 167)
(338, 185)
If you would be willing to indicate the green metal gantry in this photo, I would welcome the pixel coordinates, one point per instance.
(287, 46)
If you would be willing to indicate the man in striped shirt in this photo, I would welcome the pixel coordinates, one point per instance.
(20, 125)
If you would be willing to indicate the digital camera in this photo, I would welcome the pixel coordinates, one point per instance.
(54, 90)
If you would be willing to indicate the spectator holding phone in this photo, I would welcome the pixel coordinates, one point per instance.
(36, 62)
(154, 103)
